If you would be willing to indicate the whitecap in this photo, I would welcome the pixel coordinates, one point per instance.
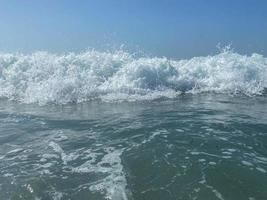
(44, 77)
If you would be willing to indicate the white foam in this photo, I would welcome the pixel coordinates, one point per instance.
(65, 157)
(154, 134)
(261, 169)
(232, 150)
(15, 151)
(8, 175)
(212, 163)
(213, 189)
(44, 77)
(113, 185)
(57, 195)
(226, 157)
(261, 159)
(195, 153)
(29, 188)
(180, 130)
(227, 153)
(246, 163)
(49, 156)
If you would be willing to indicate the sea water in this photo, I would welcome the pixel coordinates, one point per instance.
(102, 125)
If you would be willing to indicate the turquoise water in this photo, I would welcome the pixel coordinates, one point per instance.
(202, 146)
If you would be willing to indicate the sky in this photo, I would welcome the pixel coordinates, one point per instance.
(170, 28)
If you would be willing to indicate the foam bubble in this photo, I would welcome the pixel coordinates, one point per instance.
(15, 151)
(64, 157)
(261, 169)
(246, 163)
(113, 185)
(212, 163)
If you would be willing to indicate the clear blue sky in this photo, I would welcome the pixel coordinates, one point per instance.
(172, 28)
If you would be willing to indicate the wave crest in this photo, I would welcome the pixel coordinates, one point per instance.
(50, 78)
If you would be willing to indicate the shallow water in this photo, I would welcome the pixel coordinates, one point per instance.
(201, 147)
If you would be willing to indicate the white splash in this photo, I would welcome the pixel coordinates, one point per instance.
(50, 78)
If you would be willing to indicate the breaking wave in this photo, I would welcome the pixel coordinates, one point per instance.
(44, 78)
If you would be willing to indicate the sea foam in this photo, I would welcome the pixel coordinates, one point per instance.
(44, 78)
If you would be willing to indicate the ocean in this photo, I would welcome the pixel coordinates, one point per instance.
(114, 125)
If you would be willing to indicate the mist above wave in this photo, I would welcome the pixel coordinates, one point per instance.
(43, 77)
